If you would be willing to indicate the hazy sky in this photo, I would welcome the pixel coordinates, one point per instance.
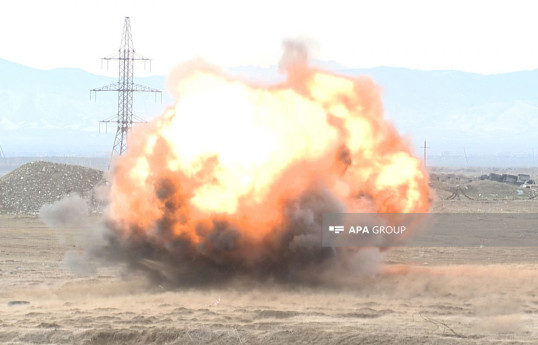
(478, 36)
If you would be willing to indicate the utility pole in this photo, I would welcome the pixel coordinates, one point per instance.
(425, 147)
(125, 87)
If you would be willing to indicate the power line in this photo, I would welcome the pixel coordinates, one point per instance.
(125, 87)
(425, 147)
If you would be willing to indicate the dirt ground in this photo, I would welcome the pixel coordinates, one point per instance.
(419, 296)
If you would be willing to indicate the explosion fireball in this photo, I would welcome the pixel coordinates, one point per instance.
(234, 178)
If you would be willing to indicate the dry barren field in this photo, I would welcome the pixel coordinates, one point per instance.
(417, 296)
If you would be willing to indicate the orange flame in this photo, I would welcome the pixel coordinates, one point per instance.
(232, 151)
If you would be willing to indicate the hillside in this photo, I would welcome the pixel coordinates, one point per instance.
(50, 112)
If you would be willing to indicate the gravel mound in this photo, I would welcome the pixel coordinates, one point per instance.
(32, 185)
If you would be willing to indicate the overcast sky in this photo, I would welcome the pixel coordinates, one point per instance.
(477, 36)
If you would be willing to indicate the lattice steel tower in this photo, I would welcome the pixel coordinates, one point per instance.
(126, 87)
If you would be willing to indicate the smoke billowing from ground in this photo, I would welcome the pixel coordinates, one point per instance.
(232, 181)
(295, 255)
(70, 211)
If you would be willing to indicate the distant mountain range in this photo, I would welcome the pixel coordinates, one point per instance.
(50, 112)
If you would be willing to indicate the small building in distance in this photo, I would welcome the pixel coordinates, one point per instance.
(510, 178)
(522, 178)
(495, 177)
(518, 179)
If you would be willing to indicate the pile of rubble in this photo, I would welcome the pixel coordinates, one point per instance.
(26, 189)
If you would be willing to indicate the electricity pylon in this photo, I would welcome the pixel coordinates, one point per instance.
(126, 87)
